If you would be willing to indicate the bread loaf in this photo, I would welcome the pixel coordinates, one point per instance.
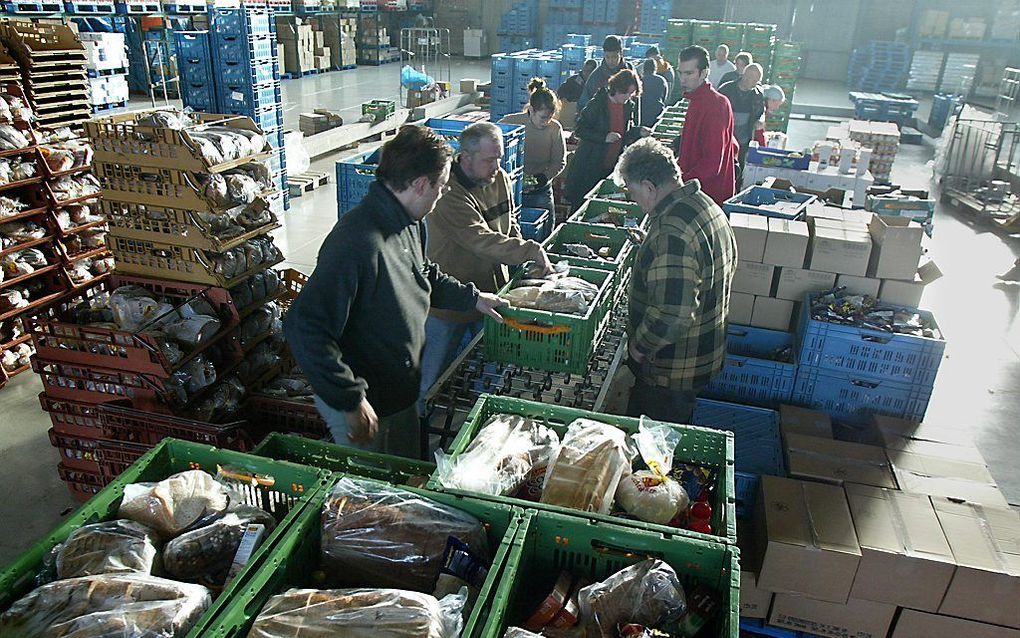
(207, 552)
(175, 503)
(110, 547)
(587, 470)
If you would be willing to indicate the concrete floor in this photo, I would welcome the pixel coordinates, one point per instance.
(976, 388)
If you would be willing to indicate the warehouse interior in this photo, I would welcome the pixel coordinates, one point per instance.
(847, 468)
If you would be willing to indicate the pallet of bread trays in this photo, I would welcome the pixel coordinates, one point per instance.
(53, 69)
(192, 548)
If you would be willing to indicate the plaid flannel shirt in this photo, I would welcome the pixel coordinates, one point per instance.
(680, 291)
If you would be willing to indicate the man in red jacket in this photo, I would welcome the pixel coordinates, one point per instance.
(708, 149)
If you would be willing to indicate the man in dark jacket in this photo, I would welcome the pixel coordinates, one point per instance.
(747, 99)
(612, 63)
(573, 87)
(654, 90)
(358, 327)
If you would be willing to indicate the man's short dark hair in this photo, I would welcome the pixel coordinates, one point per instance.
(612, 43)
(652, 51)
(696, 53)
(744, 57)
(590, 64)
(414, 152)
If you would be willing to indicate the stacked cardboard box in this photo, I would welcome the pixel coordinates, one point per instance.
(933, 24)
(883, 138)
(297, 44)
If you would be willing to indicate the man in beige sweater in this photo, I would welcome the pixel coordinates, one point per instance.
(472, 237)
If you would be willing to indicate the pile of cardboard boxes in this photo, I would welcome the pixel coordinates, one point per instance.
(458, 15)
(782, 260)
(320, 43)
(340, 36)
(913, 537)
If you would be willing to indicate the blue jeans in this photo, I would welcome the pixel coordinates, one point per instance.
(540, 198)
(399, 434)
(444, 340)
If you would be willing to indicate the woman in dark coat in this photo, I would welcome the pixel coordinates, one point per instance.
(608, 122)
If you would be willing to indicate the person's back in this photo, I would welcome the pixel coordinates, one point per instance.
(653, 94)
(571, 89)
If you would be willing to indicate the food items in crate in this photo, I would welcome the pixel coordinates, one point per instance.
(359, 613)
(166, 119)
(193, 377)
(110, 547)
(292, 385)
(379, 535)
(507, 451)
(17, 357)
(558, 610)
(190, 330)
(249, 255)
(15, 108)
(13, 170)
(558, 292)
(12, 299)
(632, 630)
(260, 360)
(134, 307)
(85, 270)
(648, 593)
(11, 138)
(10, 207)
(652, 495)
(176, 503)
(23, 262)
(10, 330)
(612, 215)
(205, 554)
(19, 232)
(107, 605)
(75, 186)
(71, 217)
(222, 403)
(5, 110)
(585, 252)
(67, 155)
(592, 459)
(839, 306)
(264, 319)
(224, 145)
(53, 136)
(517, 632)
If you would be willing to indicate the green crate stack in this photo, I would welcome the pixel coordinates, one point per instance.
(620, 256)
(706, 34)
(786, 67)
(732, 35)
(760, 41)
(678, 36)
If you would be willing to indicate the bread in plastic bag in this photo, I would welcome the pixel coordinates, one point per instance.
(378, 535)
(652, 495)
(592, 459)
(133, 307)
(110, 547)
(107, 606)
(506, 451)
(648, 593)
(174, 504)
(359, 613)
(205, 554)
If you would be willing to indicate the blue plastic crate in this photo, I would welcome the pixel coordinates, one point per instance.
(353, 177)
(251, 73)
(243, 49)
(525, 69)
(755, 628)
(746, 484)
(245, 21)
(867, 353)
(194, 71)
(749, 375)
(502, 63)
(193, 45)
(200, 96)
(855, 398)
(517, 185)
(249, 98)
(536, 223)
(758, 448)
(769, 202)
(580, 39)
(513, 137)
(549, 68)
(574, 53)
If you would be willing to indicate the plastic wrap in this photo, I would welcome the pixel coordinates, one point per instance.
(298, 160)
(107, 606)
(205, 554)
(11, 138)
(592, 459)
(648, 593)
(133, 307)
(651, 495)
(557, 292)
(191, 331)
(23, 231)
(505, 453)
(10, 207)
(223, 401)
(377, 535)
(517, 632)
(110, 547)
(359, 613)
(174, 504)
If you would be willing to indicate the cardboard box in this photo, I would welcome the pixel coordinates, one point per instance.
(859, 285)
(843, 251)
(890, 428)
(754, 602)
(902, 293)
(774, 314)
(905, 558)
(818, 210)
(939, 476)
(319, 39)
(794, 283)
(741, 308)
(857, 618)
(917, 624)
(986, 545)
(805, 539)
(787, 243)
(896, 247)
(753, 278)
(468, 85)
(796, 420)
(751, 232)
(810, 457)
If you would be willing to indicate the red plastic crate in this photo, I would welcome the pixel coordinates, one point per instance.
(118, 456)
(130, 425)
(83, 384)
(82, 485)
(268, 414)
(76, 453)
(71, 417)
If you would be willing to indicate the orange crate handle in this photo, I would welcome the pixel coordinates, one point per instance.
(529, 327)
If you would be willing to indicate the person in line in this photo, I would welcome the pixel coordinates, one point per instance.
(609, 122)
(654, 90)
(612, 63)
(544, 147)
(474, 237)
(679, 288)
(708, 151)
(747, 99)
(570, 92)
(775, 96)
(662, 67)
(721, 65)
(742, 61)
(357, 328)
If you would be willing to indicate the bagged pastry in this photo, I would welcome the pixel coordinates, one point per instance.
(377, 535)
(107, 606)
(174, 504)
(652, 495)
(507, 450)
(648, 593)
(110, 547)
(592, 459)
(133, 307)
(359, 613)
(205, 554)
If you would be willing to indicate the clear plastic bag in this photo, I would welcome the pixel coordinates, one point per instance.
(174, 504)
(592, 459)
(377, 535)
(107, 606)
(133, 307)
(205, 554)
(648, 593)
(507, 450)
(110, 547)
(191, 331)
(517, 632)
(652, 495)
(359, 613)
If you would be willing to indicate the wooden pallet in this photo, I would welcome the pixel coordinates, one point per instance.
(298, 185)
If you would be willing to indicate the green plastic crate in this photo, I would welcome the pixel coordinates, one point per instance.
(548, 543)
(548, 340)
(592, 208)
(293, 488)
(340, 458)
(294, 560)
(706, 34)
(379, 109)
(732, 35)
(595, 236)
(703, 446)
(606, 188)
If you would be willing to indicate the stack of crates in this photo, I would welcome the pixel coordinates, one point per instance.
(502, 85)
(678, 37)
(195, 68)
(705, 33)
(573, 55)
(879, 66)
(653, 16)
(732, 35)
(518, 26)
(786, 67)
(562, 19)
(760, 41)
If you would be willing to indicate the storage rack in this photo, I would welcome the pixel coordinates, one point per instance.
(426, 50)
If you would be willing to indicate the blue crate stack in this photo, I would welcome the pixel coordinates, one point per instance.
(879, 66)
(195, 67)
(653, 16)
(562, 19)
(518, 27)
(243, 43)
(877, 107)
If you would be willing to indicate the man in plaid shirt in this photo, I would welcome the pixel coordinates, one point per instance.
(680, 285)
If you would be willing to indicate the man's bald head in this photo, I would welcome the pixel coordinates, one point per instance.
(752, 75)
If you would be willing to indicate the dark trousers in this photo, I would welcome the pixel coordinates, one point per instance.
(661, 404)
